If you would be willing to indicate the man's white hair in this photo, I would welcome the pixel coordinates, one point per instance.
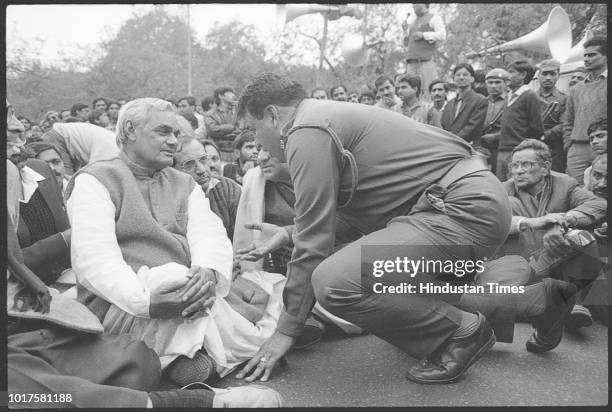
(136, 112)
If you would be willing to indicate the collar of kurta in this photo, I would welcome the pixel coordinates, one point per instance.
(137, 170)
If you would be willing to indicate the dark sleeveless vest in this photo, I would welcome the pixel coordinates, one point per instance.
(420, 49)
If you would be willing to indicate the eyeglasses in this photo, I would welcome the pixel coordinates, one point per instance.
(526, 165)
(191, 164)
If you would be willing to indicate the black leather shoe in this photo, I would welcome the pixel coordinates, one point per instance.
(450, 361)
(560, 299)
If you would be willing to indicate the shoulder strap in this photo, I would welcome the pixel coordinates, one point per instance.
(346, 154)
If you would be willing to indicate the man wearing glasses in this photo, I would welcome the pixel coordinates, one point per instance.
(545, 205)
(223, 193)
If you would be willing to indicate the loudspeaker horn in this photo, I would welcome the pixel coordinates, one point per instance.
(287, 12)
(554, 36)
(577, 52)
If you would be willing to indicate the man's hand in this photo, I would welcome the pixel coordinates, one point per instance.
(275, 238)
(490, 139)
(166, 301)
(269, 353)
(555, 242)
(248, 165)
(542, 222)
(418, 35)
(199, 292)
(389, 101)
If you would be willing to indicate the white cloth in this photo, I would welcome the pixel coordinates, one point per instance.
(29, 183)
(87, 142)
(251, 209)
(227, 336)
(13, 192)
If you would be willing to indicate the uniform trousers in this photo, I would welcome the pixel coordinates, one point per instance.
(477, 214)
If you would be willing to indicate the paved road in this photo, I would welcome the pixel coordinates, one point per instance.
(366, 371)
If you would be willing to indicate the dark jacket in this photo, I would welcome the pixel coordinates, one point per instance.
(45, 255)
(469, 123)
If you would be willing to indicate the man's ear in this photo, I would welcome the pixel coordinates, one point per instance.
(130, 130)
(272, 112)
(237, 153)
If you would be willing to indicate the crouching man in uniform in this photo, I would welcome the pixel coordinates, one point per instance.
(392, 181)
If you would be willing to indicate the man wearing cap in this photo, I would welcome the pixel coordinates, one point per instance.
(552, 102)
(497, 82)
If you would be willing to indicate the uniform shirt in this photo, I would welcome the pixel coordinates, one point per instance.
(397, 158)
(553, 124)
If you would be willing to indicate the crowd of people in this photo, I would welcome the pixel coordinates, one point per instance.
(155, 241)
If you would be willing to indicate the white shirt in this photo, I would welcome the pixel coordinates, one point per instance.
(439, 32)
(96, 255)
(29, 183)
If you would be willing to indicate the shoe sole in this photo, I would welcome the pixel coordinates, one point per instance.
(569, 300)
(454, 379)
(579, 320)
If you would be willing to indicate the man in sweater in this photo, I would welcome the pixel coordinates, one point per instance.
(421, 38)
(522, 117)
(365, 177)
(221, 126)
(552, 102)
(465, 114)
(588, 101)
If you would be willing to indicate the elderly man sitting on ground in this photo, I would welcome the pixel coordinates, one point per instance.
(150, 257)
(545, 204)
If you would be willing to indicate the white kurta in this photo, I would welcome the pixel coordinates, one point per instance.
(99, 266)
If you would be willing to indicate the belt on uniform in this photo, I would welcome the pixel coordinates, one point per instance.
(462, 168)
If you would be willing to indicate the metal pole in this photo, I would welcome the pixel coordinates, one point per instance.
(188, 51)
(322, 51)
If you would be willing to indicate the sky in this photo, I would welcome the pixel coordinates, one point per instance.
(53, 31)
(73, 28)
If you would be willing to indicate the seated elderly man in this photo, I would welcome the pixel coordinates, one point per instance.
(151, 258)
(222, 193)
(544, 204)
